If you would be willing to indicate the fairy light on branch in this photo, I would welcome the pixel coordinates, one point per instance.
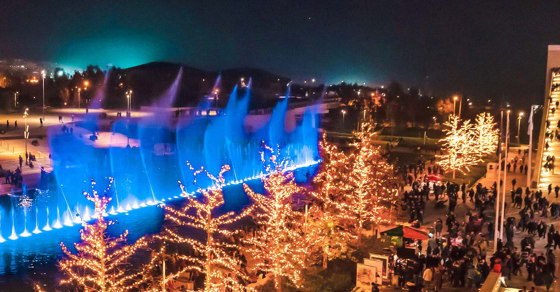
(216, 258)
(100, 261)
(372, 181)
(325, 229)
(486, 134)
(278, 246)
(459, 146)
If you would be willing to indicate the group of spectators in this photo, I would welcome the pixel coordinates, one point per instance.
(458, 254)
(12, 177)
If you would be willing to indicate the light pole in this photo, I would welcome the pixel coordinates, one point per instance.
(26, 132)
(460, 106)
(86, 84)
(216, 96)
(128, 100)
(79, 98)
(15, 98)
(519, 117)
(44, 74)
(455, 98)
(498, 184)
(530, 132)
(505, 179)
(343, 114)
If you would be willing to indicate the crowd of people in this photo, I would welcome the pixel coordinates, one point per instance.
(12, 177)
(458, 250)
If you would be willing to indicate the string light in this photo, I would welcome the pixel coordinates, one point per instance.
(486, 134)
(459, 146)
(215, 258)
(326, 222)
(100, 262)
(278, 245)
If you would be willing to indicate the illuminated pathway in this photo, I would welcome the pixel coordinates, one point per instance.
(551, 177)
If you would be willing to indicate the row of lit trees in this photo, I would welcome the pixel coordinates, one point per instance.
(465, 144)
(354, 189)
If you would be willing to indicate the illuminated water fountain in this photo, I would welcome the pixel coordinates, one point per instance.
(144, 157)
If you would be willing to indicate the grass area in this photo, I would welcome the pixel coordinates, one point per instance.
(471, 177)
(340, 274)
(412, 132)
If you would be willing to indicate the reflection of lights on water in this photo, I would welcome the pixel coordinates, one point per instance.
(66, 219)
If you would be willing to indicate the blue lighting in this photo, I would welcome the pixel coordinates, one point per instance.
(146, 156)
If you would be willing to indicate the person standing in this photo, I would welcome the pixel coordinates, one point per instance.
(438, 278)
(428, 277)
(20, 161)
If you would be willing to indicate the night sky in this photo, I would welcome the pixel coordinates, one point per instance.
(484, 49)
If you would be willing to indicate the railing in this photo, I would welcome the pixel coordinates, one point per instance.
(554, 83)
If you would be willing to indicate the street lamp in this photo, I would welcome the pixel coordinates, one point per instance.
(343, 114)
(79, 98)
(128, 100)
(519, 117)
(505, 177)
(26, 132)
(43, 74)
(455, 98)
(216, 96)
(15, 98)
(534, 108)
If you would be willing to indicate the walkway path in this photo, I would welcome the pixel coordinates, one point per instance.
(552, 112)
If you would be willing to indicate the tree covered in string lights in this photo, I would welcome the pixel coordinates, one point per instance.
(326, 220)
(486, 134)
(214, 254)
(325, 237)
(278, 246)
(372, 183)
(100, 262)
(459, 146)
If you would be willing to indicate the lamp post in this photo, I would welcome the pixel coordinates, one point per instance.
(498, 184)
(128, 100)
(343, 114)
(86, 84)
(519, 117)
(460, 105)
(15, 98)
(26, 132)
(79, 98)
(534, 108)
(505, 179)
(216, 96)
(455, 98)
(43, 74)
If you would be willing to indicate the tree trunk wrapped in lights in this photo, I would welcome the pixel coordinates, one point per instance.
(359, 187)
(372, 183)
(324, 236)
(100, 263)
(215, 254)
(326, 220)
(459, 146)
(486, 134)
(278, 246)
